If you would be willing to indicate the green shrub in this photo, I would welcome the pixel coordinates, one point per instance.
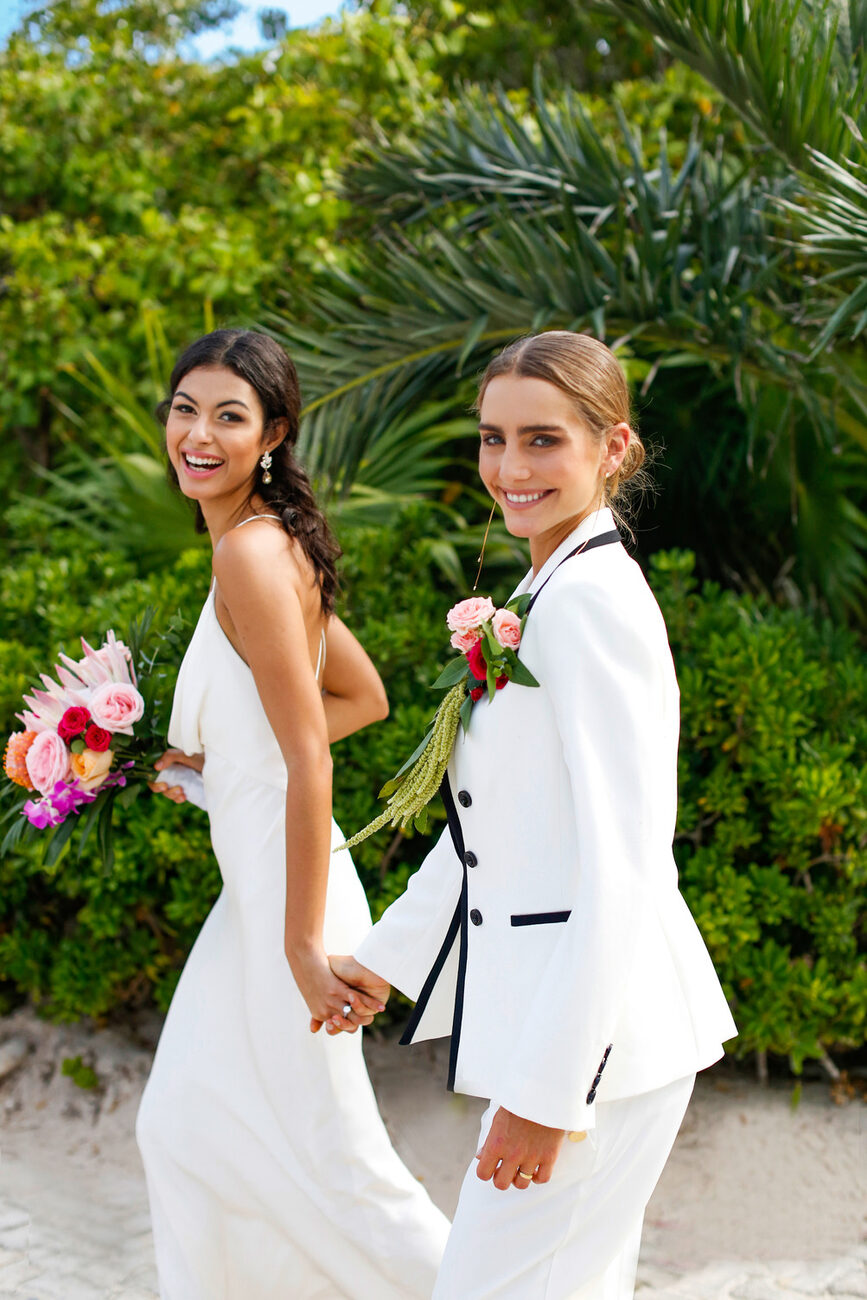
(773, 802)
(772, 824)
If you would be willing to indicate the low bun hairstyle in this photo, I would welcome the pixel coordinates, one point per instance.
(269, 370)
(592, 378)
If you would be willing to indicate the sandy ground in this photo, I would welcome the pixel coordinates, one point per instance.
(760, 1200)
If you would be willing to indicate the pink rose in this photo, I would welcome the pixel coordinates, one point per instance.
(464, 641)
(47, 761)
(470, 614)
(115, 706)
(507, 629)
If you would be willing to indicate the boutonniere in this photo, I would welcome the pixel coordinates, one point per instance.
(488, 639)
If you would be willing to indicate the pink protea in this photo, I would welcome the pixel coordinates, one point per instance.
(76, 682)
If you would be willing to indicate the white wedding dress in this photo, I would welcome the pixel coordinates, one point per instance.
(269, 1171)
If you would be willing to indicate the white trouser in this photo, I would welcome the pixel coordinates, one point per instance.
(576, 1237)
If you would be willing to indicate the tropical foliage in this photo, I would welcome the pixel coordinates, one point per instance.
(503, 216)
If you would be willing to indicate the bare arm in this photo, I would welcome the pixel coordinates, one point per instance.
(354, 695)
(251, 566)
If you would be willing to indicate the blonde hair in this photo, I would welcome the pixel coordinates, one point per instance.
(592, 378)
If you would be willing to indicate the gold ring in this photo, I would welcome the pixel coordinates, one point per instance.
(520, 1174)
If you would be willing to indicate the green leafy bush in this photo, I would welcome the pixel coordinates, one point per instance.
(772, 824)
(772, 834)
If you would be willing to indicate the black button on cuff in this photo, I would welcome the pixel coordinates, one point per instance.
(476, 916)
(464, 798)
(470, 859)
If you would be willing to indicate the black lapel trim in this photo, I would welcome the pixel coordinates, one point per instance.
(458, 841)
(430, 982)
(601, 539)
(459, 922)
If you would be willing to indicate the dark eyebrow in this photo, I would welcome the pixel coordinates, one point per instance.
(527, 428)
(229, 401)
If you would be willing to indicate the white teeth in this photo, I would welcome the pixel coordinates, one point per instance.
(521, 498)
(201, 462)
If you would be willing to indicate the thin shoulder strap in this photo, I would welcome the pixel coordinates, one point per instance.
(250, 519)
(601, 539)
(320, 662)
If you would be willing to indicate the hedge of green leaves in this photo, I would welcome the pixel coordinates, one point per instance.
(773, 809)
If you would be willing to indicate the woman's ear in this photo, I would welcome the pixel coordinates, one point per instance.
(617, 444)
(277, 431)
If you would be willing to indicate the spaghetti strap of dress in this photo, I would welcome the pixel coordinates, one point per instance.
(320, 661)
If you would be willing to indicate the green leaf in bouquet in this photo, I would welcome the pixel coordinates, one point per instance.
(466, 711)
(16, 831)
(78, 746)
(104, 835)
(453, 672)
(422, 820)
(522, 675)
(129, 793)
(58, 841)
(519, 604)
(88, 821)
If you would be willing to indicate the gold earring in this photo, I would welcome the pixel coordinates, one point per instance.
(484, 544)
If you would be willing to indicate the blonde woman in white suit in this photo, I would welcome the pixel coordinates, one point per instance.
(545, 931)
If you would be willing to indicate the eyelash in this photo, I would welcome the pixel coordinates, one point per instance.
(184, 409)
(547, 441)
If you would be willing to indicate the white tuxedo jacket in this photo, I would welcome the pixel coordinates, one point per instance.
(545, 931)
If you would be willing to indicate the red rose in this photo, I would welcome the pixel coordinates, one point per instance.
(97, 738)
(476, 693)
(476, 660)
(73, 722)
(501, 681)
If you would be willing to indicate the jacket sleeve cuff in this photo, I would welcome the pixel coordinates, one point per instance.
(532, 1100)
(378, 954)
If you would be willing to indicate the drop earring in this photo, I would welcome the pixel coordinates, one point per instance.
(265, 463)
(484, 544)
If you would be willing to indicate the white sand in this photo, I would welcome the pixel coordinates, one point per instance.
(750, 1179)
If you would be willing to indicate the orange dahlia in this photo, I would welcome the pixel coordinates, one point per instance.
(13, 760)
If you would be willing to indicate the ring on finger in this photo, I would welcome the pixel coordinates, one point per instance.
(519, 1173)
(347, 1008)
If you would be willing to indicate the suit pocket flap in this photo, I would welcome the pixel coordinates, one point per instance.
(540, 918)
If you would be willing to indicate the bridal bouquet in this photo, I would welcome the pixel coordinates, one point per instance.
(90, 736)
(488, 639)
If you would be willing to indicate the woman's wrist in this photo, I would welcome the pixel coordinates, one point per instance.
(304, 952)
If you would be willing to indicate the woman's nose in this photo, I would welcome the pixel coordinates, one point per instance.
(513, 467)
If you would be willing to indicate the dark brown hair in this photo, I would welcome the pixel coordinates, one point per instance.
(269, 370)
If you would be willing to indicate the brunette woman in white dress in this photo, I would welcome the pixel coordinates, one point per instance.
(545, 931)
(269, 1171)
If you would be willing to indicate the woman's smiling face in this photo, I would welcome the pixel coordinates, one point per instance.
(214, 433)
(540, 461)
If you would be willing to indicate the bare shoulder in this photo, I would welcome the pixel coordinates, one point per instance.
(247, 559)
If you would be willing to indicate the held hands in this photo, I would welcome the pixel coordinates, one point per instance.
(174, 792)
(326, 994)
(518, 1144)
(364, 983)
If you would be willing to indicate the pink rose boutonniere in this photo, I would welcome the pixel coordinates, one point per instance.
(488, 639)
